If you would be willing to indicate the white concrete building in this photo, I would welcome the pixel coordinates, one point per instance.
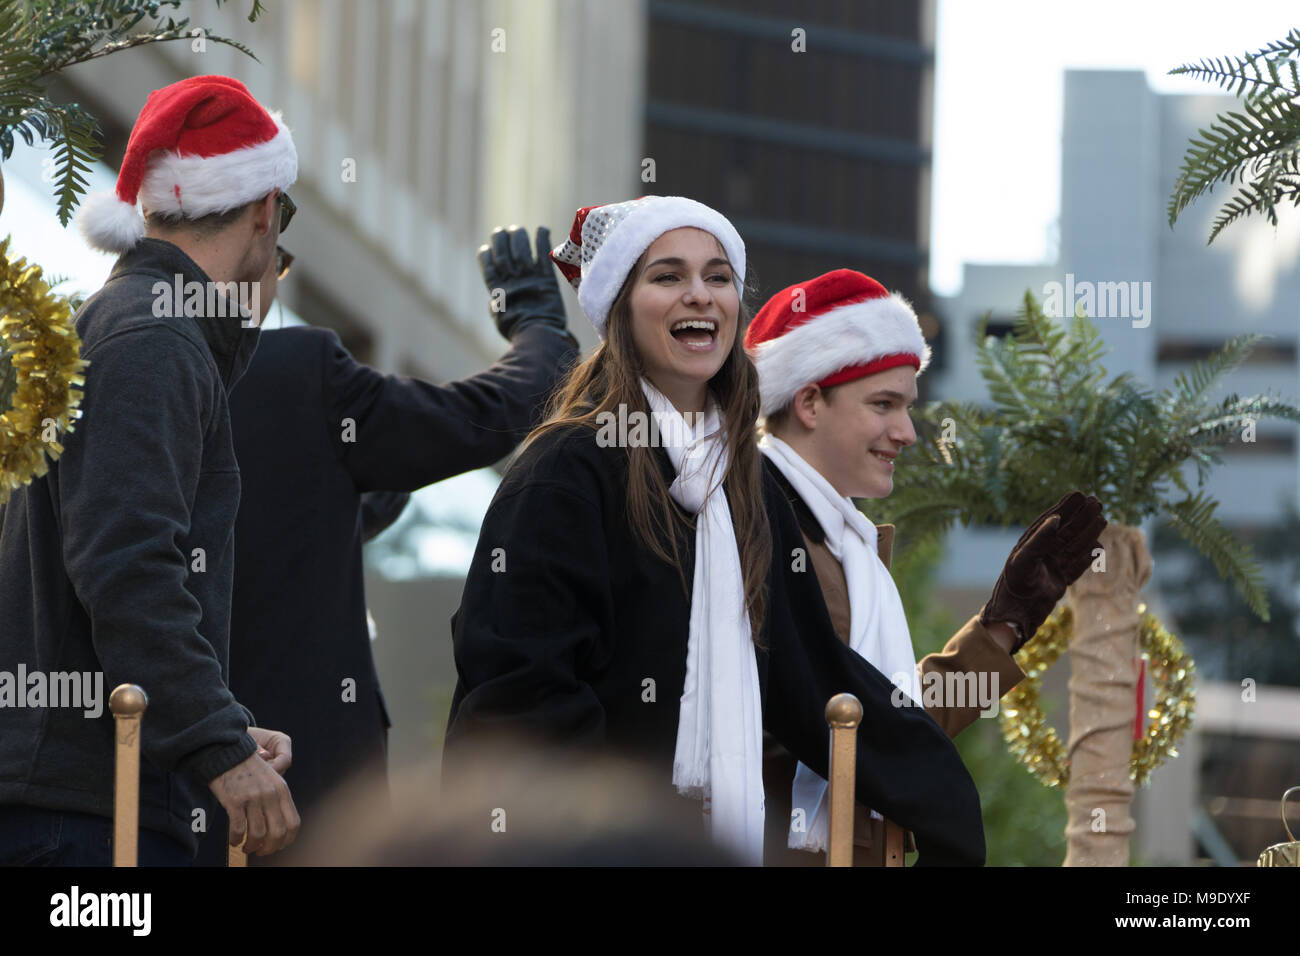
(414, 143)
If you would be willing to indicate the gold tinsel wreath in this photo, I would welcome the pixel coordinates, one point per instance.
(1035, 743)
(40, 372)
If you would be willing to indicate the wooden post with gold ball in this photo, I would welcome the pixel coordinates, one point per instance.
(843, 713)
(127, 703)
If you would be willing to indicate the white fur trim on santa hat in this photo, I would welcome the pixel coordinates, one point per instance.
(109, 224)
(207, 185)
(197, 186)
(847, 335)
(618, 253)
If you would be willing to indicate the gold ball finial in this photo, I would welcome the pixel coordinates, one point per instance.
(128, 700)
(843, 710)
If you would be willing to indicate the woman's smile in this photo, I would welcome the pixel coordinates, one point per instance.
(695, 335)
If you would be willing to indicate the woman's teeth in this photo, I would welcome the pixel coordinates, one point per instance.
(706, 324)
(695, 334)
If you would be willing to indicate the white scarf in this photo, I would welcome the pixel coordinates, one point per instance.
(878, 627)
(719, 755)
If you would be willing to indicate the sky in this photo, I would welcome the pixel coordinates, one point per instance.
(999, 71)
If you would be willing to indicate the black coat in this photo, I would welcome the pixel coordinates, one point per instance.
(556, 645)
(119, 561)
(315, 430)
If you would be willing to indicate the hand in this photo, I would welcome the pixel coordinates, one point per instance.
(1049, 556)
(256, 798)
(532, 293)
(274, 747)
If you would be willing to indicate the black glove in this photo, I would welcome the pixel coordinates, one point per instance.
(532, 293)
(1047, 559)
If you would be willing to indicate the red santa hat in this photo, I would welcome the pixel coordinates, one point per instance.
(606, 241)
(200, 146)
(835, 328)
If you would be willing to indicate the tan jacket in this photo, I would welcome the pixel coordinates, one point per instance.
(972, 650)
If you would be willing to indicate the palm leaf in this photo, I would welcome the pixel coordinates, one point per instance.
(1243, 75)
(41, 37)
(1055, 422)
(76, 148)
(1194, 519)
(1191, 386)
(1256, 149)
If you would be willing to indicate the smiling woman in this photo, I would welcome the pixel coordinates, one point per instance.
(685, 303)
(641, 600)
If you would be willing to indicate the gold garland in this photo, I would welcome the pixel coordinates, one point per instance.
(1035, 743)
(44, 372)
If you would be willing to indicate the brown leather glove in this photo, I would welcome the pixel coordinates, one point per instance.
(1047, 559)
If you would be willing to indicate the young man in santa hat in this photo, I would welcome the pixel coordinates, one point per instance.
(118, 562)
(837, 361)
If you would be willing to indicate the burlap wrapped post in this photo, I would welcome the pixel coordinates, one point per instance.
(1103, 688)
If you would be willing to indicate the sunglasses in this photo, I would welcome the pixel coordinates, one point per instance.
(283, 260)
(287, 209)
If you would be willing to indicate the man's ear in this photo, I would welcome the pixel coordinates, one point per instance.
(806, 404)
(263, 212)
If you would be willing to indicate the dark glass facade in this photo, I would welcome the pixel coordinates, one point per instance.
(821, 158)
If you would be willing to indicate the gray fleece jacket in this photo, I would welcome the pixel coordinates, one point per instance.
(119, 561)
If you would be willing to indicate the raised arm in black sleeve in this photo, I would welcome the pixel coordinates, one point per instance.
(399, 434)
(395, 433)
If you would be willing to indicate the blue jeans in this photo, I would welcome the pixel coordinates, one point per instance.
(33, 837)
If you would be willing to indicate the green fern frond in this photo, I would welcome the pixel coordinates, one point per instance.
(39, 38)
(76, 149)
(1088, 344)
(1235, 147)
(1056, 423)
(1257, 198)
(1258, 149)
(1243, 75)
(1233, 415)
(1194, 519)
(1190, 387)
(997, 365)
(253, 14)
(165, 36)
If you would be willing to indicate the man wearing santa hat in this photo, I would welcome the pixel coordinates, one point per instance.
(837, 361)
(118, 562)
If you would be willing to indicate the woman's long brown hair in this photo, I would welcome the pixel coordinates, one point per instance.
(612, 377)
